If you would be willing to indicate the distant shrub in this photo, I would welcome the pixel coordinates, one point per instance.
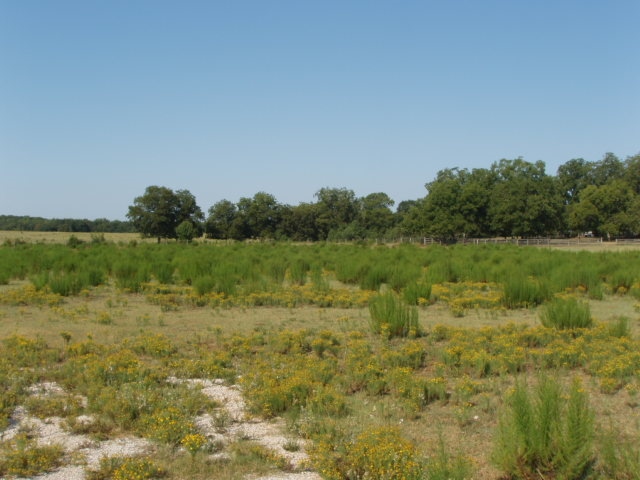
(74, 242)
(98, 238)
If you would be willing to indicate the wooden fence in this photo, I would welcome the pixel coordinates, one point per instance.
(551, 242)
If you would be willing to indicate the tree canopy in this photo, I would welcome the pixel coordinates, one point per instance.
(160, 211)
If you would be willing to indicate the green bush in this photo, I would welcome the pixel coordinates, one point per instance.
(566, 313)
(622, 280)
(403, 274)
(298, 271)
(417, 293)
(163, 272)
(520, 291)
(204, 285)
(65, 284)
(130, 275)
(621, 327)
(74, 242)
(276, 269)
(543, 434)
(375, 277)
(391, 317)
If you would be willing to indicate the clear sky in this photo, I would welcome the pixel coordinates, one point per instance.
(226, 98)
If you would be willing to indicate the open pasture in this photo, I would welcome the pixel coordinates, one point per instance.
(404, 362)
(13, 236)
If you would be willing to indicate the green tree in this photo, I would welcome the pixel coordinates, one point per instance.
(376, 217)
(159, 211)
(410, 217)
(632, 172)
(336, 209)
(606, 170)
(525, 201)
(186, 231)
(220, 221)
(457, 203)
(260, 215)
(573, 177)
(299, 222)
(442, 214)
(188, 210)
(608, 210)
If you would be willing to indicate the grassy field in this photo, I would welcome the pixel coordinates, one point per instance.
(294, 327)
(63, 237)
(575, 244)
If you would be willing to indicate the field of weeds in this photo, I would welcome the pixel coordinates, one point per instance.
(359, 362)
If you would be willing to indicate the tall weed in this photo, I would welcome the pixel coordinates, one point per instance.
(566, 314)
(521, 291)
(298, 270)
(544, 434)
(418, 293)
(619, 458)
(391, 317)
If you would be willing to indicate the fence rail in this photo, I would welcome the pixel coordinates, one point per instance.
(581, 241)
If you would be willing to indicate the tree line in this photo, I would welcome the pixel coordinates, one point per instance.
(511, 198)
(39, 224)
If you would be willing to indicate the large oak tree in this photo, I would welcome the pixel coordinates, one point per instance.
(160, 211)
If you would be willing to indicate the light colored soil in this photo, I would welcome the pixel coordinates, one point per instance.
(269, 434)
(86, 453)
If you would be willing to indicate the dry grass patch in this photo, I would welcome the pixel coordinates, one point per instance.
(63, 237)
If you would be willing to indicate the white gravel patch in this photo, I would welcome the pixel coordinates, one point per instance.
(230, 423)
(291, 476)
(85, 451)
(64, 473)
(45, 388)
(240, 425)
(120, 447)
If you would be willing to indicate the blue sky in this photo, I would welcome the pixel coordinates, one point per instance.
(100, 99)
